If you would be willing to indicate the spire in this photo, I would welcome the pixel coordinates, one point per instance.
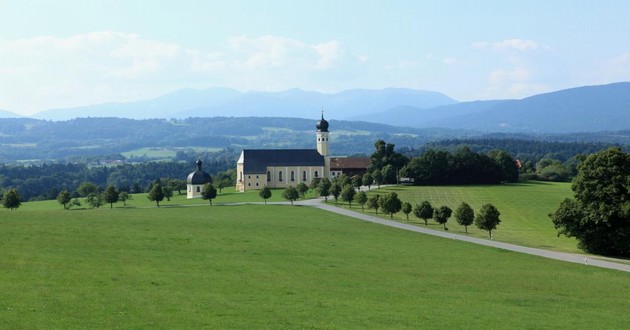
(199, 162)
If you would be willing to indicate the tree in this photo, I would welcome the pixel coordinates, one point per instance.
(361, 198)
(378, 178)
(347, 194)
(225, 183)
(124, 197)
(111, 196)
(406, 209)
(335, 190)
(487, 218)
(599, 214)
(390, 204)
(12, 199)
(64, 198)
(388, 172)
(87, 188)
(465, 215)
(265, 193)
(323, 187)
(168, 192)
(423, 211)
(95, 200)
(177, 185)
(368, 180)
(357, 181)
(208, 192)
(156, 194)
(373, 203)
(290, 194)
(302, 188)
(441, 215)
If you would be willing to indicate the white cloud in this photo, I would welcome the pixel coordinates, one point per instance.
(45, 72)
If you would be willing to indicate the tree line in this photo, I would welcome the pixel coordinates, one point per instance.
(46, 181)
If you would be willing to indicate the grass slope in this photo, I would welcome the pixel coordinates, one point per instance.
(273, 266)
(524, 210)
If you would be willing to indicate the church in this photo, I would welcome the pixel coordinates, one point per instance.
(281, 168)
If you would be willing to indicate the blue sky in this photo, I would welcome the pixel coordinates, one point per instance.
(68, 53)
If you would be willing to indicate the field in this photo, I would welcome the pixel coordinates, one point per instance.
(276, 266)
(524, 210)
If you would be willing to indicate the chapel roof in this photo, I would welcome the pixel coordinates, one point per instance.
(257, 160)
(198, 176)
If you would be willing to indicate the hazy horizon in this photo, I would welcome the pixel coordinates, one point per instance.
(76, 53)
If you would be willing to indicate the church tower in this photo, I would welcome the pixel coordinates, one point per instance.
(322, 136)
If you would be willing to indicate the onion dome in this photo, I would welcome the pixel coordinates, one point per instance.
(322, 125)
(198, 176)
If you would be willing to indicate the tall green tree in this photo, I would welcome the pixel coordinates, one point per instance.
(323, 188)
(361, 198)
(265, 194)
(291, 194)
(377, 175)
(373, 203)
(302, 189)
(406, 209)
(95, 200)
(111, 196)
(465, 215)
(368, 180)
(347, 194)
(12, 199)
(390, 204)
(357, 181)
(335, 191)
(87, 188)
(488, 218)
(599, 214)
(209, 192)
(423, 211)
(441, 215)
(156, 194)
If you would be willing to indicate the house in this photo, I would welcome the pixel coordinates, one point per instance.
(280, 168)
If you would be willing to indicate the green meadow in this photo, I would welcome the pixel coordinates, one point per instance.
(191, 265)
(524, 210)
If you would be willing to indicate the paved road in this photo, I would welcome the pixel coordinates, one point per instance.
(569, 257)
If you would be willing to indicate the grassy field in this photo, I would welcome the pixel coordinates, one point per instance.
(274, 266)
(524, 210)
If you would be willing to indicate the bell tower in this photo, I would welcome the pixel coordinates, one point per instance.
(322, 136)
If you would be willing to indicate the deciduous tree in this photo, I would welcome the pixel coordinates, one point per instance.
(290, 194)
(209, 192)
(373, 203)
(12, 199)
(265, 194)
(335, 191)
(390, 204)
(423, 211)
(323, 188)
(487, 218)
(111, 196)
(64, 198)
(347, 194)
(302, 189)
(465, 215)
(406, 209)
(441, 215)
(599, 214)
(156, 194)
(361, 198)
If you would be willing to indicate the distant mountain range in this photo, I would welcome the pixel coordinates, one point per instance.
(588, 109)
(8, 114)
(228, 102)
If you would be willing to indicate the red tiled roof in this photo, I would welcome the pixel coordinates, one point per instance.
(338, 163)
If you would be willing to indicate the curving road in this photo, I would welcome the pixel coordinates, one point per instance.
(569, 257)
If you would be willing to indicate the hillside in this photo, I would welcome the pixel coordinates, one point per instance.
(217, 102)
(581, 109)
(8, 114)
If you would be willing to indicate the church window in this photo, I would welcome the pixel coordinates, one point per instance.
(241, 176)
(268, 176)
(249, 184)
(198, 189)
(316, 174)
(280, 176)
(256, 184)
(256, 176)
(249, 176)
(303, 175)
(292, 176)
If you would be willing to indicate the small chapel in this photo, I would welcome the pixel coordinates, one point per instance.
(281, 168)
(196, 180)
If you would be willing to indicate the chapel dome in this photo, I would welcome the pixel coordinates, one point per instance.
(198, 177)
(322, 125)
